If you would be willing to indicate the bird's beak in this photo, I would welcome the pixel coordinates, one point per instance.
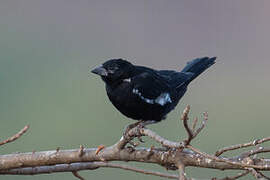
(100, 70)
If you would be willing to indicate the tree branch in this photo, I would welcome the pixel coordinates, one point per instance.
(256, 174)
(171, 155)
(234, 177)
(238, 146)
(15, 136)
(75, 167)
(76, 174)
(182, 172)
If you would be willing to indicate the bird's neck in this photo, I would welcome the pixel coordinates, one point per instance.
(112, 83)
(116, 81)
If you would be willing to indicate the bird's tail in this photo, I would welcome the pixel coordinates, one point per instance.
(197, 66)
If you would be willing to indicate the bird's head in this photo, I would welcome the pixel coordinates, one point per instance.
(114, 70)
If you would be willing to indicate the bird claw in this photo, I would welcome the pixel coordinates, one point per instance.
(128, 128)
(139, 125)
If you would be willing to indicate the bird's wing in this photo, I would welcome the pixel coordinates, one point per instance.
(151, 88)
(175, 79)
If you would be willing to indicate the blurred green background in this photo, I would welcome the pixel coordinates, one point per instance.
(47, 48)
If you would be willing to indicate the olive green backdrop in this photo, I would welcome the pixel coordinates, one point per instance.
(47, 48)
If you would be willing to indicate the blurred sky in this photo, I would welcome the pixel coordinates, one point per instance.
(47, 48)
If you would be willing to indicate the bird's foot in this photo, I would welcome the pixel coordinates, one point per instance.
(138, 125)
(128, 128)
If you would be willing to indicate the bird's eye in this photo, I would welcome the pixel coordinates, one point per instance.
(113, 68)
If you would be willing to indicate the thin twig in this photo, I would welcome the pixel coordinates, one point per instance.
(241, 174)
(74, 167)
(238, 146)
(226, 161)
(256, 174)
(125, 167)
(266, 177)
(238, 175)
(164, 142)
(194, 124)
(185, 118)
(192, 132)
(76, 174)
(255, 151)
(202, 125)
(146, 132)
(15, 136)
(182, 173)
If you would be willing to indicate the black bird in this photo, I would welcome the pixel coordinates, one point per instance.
(145, 94)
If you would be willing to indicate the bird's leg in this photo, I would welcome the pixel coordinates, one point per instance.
(141, 125)
(129, 127)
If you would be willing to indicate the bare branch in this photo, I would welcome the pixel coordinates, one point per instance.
(255, 151)
(256, 174)
(125, 167)
(164, 142)
(75, 167)
(172, 155)
(268, 178)
(112, 153)
(202, 125)
(238, 146)
(240, 162)
(234, 177)
(192, 132)
(185, 118)
(76, 174)
(182, 173)
(15, 136)
(194, 124)
(147, 132)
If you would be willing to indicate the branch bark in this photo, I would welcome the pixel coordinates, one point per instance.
(171, 155)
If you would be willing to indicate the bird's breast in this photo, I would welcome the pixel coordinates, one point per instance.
(132, 104)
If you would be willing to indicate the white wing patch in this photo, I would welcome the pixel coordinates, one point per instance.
(162, 99)
(127, 80)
